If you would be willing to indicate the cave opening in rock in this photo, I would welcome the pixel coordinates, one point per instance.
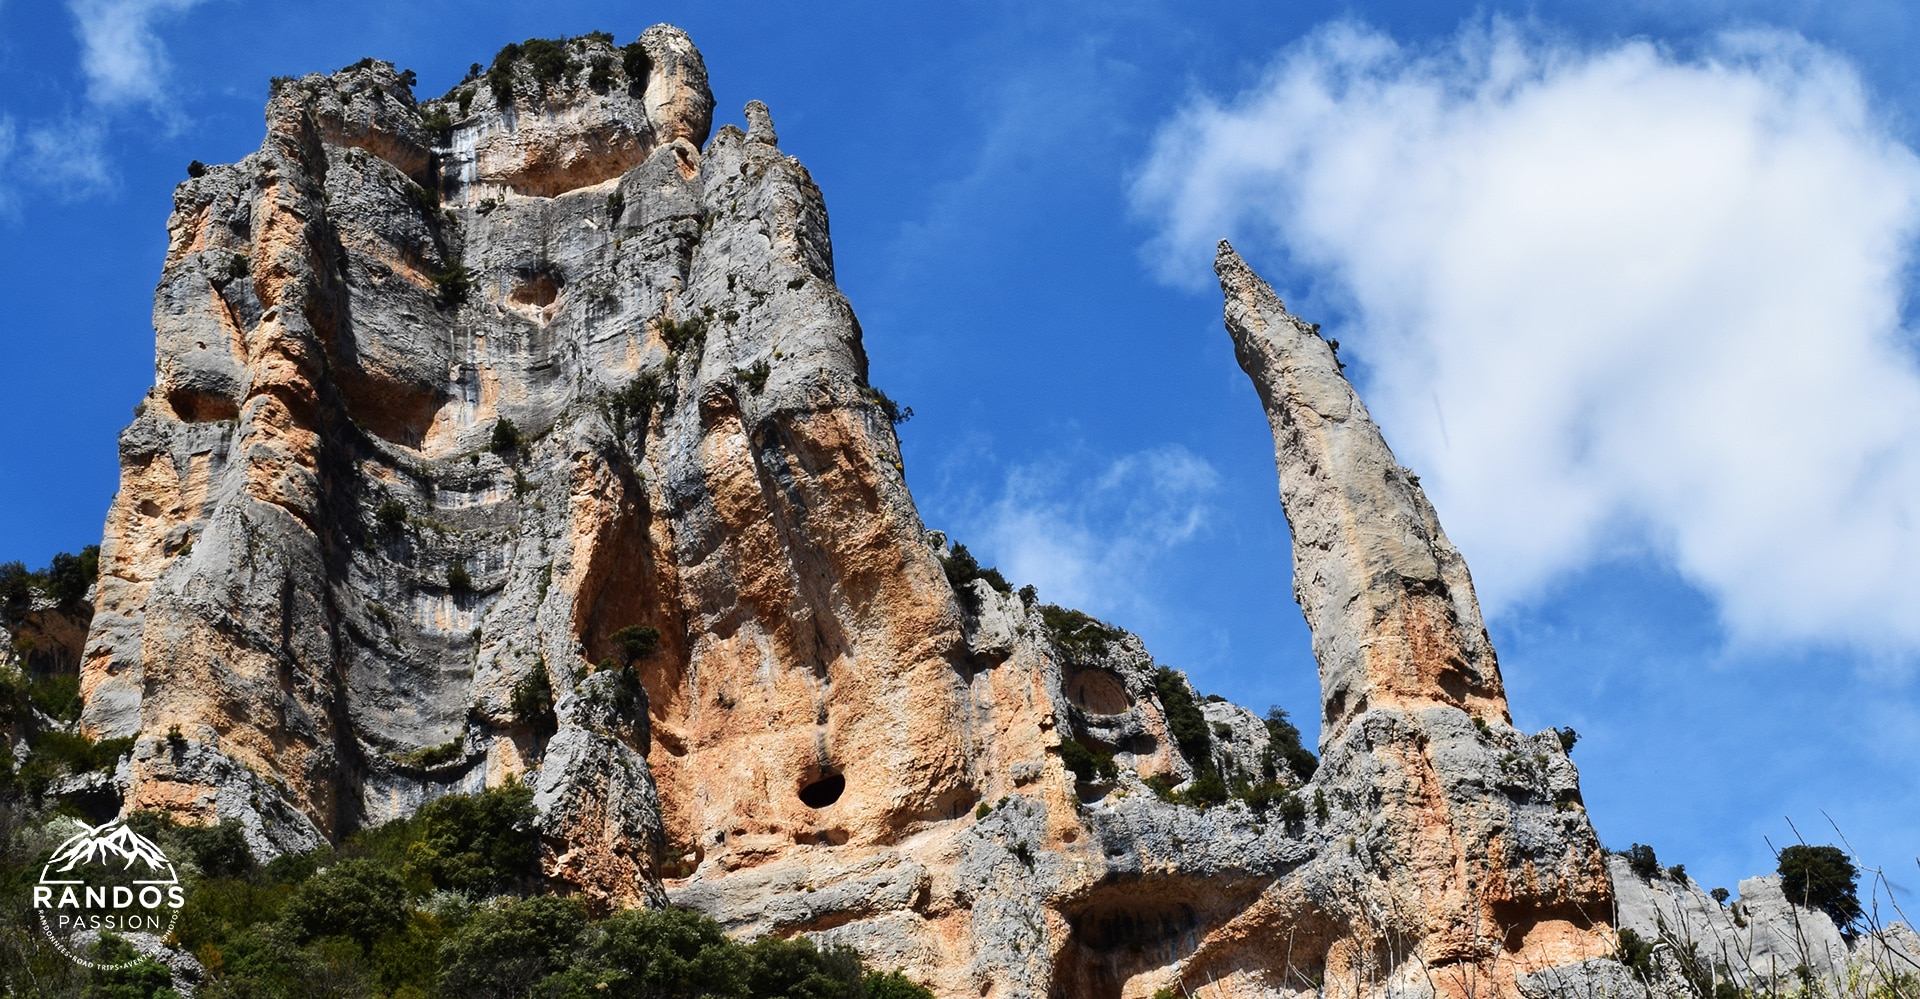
(823, 792)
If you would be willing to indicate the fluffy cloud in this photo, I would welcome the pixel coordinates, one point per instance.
(1605, 299)
(124, 60)
(1087, 542)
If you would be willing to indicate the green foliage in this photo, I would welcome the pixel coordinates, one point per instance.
(635, 63)
(532, 702)
(465, 99)
(1636, 954)
(637, 399)
(360, 900)
(616, 207)
(962, 568)
(636, 642)
(1207, 790)
(436, 756)
(1821, 877)
(600, 73)
(754, 376)
(1283, 746)
(1567, 738)
(1641, 860)
(1077, 635)
(145, 979)
(78, 753)
(458, 579)
(453, 285)
(1087, 764)
(1184, 720)
(1720, 895)
(57, 695)
(500, 74)
(1677, 873)
(409, 78)
(549, 60)
(437, 119)
(68, 577)
(895, 413)
(196, 169)
(690, 332)
(391, 515)
(478, 845)
(505, 950)
(1162, 788)
(506, 437)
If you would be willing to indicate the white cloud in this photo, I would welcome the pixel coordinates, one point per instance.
(68, 157)
(1087, 542)
(124, 59)
(1606, 297)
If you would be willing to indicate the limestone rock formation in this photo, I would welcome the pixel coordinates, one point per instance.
(523, 434)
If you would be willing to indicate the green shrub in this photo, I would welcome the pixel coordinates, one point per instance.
(453, 285)
(616, 207)
(500, 74)
(1184, 720)
(505, 950)
(635, 63)
(458, 579)
(549, 60)
(754, 376)
(57, 695)
(478, 844)
(1207, 790)
(145, 979)
(68, 577)
(1567, 738)
(356, 899)
(962, 568)
(895, 413)
(600, 73)
(391, 515)
(506, 437)
(437, 119)
(196, 169)
(1086, 764)
(1641, 860)
(1284, 748)
(78, 753)
(1821, 877)
(1636, 954)
(532, 702)
(1080, 637)
(690, 332)
(636, 642)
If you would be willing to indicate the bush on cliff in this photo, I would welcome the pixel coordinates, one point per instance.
(962, 569)
(1821, 877)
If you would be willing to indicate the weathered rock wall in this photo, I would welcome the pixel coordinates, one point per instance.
(449, 394)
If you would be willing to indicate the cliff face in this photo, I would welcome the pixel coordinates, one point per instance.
(454, 400)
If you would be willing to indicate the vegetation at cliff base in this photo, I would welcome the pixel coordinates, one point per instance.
(448, 903)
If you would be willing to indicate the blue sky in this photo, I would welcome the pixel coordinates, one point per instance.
(1627, 284)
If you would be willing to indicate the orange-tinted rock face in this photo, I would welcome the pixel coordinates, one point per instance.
(450, 398)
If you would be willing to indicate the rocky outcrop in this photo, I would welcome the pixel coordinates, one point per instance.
(1760, 942)
(524, 435)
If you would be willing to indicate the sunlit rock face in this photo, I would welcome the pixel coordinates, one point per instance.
(457, 402)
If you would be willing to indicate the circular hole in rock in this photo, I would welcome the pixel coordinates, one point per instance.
(824, 791)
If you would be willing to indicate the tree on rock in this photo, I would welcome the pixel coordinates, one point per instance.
(1821, 877)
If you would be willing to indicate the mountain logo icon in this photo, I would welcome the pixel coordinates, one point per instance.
(107, 879)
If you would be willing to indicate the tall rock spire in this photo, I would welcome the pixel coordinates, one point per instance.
(1394, 619)
(1455, 857)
